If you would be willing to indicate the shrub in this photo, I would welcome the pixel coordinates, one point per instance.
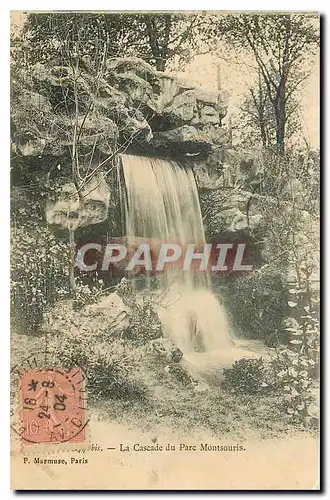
(179, 375)
(111, 368)
(256, 304)
(296, 367)
(246, 376)
(144, 323)
(86, 294)
(107, 341)
(39, 263)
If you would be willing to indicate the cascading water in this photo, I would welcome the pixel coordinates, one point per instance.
(162, 204)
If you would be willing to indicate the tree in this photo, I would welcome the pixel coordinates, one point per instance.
(156, 38)
(61, 122)
(257, 114)
(259, 120)
(280, 45)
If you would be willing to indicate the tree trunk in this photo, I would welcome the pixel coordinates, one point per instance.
(155, 47)
(280, 133)
(72, 261)
(160, 64)
(263, 132)
(280, 118)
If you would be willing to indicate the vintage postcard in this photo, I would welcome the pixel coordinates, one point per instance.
(165, 250)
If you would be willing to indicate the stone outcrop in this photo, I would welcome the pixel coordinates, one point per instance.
(113, 311)
(229, 180)
(108, 317)
(131, 105)
(213, 179)
(67, 209)
(130, 100)
(185, 139)
(177, 113)
(166, 349)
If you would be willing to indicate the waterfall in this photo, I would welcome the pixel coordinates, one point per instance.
(161, 203)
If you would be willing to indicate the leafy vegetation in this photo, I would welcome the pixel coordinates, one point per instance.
(156, 38)
(39, 264)
(279, 44)
(246, 376)
(61, 126)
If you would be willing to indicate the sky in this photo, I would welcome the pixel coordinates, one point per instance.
(235, 77)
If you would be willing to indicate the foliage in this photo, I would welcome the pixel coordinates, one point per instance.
(180, 375)
(156, 38)
(256, 304)
(64, 108)
(296, 366)
(246, 376)
(144, 323)
(111, 368)
(292, 244)
(291, 215)
(137, 323)
(39, 263)
(279, 45)
(219, 413)
(57, 116)
(86, 294)
(256, 122)
(178, 407)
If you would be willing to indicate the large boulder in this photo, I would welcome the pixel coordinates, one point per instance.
(212, 179)
(132, 65)
(124, 107)
(209, 114)
(235, 211)
(62, 206)
(233, 220)
(130, 105)
(166, 349)
(112, 310)
(183, 108)
(140, 91)
(174, 102)
(108, 317)
(68, 209)
(186, 139)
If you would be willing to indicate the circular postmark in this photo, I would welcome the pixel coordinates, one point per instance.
(49, 404)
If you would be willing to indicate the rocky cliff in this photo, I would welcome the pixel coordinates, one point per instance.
(128, 106)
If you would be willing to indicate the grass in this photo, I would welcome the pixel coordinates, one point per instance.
(218, 413)
(179, 408)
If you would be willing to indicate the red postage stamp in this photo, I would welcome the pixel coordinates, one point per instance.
(53, 406)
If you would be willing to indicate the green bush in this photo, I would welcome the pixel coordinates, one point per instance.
(111, 368)
(144, 323)
(296, 367)
(256, 304)
(39, 268)
(246, 376)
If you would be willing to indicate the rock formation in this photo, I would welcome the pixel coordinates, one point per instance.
(128, 106)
